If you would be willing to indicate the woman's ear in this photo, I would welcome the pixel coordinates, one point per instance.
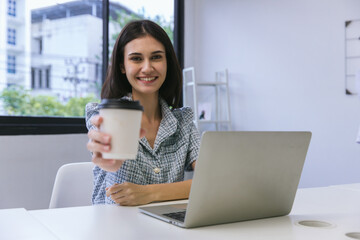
(122, 68)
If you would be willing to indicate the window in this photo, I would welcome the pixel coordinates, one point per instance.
(159, 11)
(11, 37)
(67, 58)
(47, 77)
(12, 8)
(37, 47)
(11, 64)
(40, 77)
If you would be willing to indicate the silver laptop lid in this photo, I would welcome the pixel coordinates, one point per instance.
(245, 175)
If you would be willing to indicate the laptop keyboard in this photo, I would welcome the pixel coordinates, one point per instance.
(180, 216)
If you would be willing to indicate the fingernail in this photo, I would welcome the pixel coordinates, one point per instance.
(107, 139)
(107, 188)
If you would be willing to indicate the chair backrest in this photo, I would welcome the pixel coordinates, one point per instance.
(73, 185)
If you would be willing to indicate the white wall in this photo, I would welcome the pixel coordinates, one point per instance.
(28, 165)
(286, 71)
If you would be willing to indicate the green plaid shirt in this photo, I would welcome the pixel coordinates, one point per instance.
(176, 148)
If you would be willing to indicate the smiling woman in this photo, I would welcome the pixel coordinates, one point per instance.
(144, 68)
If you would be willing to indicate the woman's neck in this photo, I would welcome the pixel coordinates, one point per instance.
(151, 105)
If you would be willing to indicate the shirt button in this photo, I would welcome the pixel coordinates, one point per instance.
(157, 170)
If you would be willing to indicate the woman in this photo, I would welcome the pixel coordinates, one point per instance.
(144, 68)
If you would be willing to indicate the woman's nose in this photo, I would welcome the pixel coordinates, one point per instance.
(147, 67)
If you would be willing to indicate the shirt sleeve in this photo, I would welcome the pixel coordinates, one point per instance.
(194, 139)
(91, 109)
(99, 193)
(98, 196)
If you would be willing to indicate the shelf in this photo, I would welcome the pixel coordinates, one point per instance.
(352, 39)
(210, 83)
(213, 121)
(352, 57)
(206, 83)
(350, 75)
(221, 89)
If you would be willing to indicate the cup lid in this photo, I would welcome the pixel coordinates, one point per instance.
(120, 104)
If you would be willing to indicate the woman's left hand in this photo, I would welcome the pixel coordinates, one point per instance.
(129, 194)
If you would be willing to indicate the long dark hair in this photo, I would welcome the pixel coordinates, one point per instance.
(117, 85)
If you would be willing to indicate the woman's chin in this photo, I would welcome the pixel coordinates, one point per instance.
(147, 90)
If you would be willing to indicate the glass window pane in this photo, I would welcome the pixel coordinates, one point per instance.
(124, 11)
(52, 60)
(12, 8)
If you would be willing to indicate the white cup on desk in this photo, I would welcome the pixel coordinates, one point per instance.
(122, 120)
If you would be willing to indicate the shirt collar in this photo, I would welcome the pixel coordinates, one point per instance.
(168, 127)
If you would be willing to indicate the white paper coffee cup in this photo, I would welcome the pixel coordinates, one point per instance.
(121, 120)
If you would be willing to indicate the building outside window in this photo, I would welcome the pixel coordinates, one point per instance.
(11, 64)
(12, 8)
(11, 37)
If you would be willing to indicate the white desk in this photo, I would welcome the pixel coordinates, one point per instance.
(18, 224)
(353, 186)
(340, 207)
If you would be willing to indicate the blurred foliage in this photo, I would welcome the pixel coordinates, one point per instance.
(124, 17)
(19, 101)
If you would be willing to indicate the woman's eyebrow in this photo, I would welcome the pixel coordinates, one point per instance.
(134, 53)
(159, 51)
(139, 54)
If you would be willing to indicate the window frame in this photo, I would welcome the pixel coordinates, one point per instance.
(40, 77)
(11, 64)
(37, 125)
(11, 37)
(12, 8)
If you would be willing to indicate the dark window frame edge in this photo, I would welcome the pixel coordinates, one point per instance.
(179, 35)
(35, 125)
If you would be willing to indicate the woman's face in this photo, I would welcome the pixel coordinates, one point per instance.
(145, 65)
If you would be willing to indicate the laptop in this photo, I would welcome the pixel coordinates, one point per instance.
(240, 176)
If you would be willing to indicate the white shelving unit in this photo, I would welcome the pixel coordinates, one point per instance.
(221, 81)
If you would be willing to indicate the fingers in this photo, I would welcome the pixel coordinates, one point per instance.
(123, 201)
(102, 163)
(96, 120)
(99, 142)
(97, 147)
(118, 193)
(127, 194)
(114, 189)
(105, 164)
(100, 137)
(110, 165)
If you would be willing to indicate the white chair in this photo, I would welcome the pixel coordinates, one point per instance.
(73, 185)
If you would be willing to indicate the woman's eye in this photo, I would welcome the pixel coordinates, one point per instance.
(157, 57)
(136, 59)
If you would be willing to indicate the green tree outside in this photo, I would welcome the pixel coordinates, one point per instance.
(19, 101)
(123, 18)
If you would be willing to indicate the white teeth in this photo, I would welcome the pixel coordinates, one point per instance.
(147, 79)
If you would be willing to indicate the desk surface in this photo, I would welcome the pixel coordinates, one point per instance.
(17, 223)
(337, 206)
(353, 186)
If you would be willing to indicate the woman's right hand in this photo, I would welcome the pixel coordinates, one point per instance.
(100, 142)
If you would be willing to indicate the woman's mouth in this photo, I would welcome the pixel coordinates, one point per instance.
(147, 79)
